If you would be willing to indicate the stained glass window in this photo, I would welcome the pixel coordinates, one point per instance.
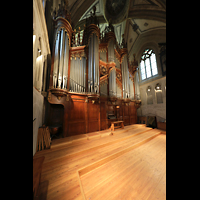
(148, 65)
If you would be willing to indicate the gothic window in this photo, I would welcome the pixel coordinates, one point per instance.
(148, 65)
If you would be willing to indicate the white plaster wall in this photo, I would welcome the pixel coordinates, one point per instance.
(159, 110)
(39, 31)
(38, 102)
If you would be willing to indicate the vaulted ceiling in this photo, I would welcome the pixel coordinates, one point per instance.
(137, 9)
(139, 20)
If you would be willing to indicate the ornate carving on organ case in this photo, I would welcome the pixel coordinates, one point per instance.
(119, 76)
(103, 70)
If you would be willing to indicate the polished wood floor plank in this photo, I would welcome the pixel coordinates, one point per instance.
(135, 181)
(121, 178)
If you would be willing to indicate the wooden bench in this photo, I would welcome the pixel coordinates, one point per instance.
(37, 169)
(119, 126)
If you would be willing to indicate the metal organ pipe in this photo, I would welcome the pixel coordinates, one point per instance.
(112, 77)
(125, 78)
(56, 57)
(96, 64)
(93, 64)
(66, 60)
(77, 74)
(61, 60)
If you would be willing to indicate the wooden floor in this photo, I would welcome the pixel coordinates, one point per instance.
(128, 163)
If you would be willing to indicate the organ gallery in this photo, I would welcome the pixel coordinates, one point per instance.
(91, 77)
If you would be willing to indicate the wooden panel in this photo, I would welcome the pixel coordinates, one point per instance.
(93, 125)
(126, 110)
(103, 115)
(132, 109)
(93, 117)
(104, 124)
(93, 111)
(103, 110)
(83, 116)
(126, 120)
(133, 120)
(77, 110)
(76, 128)
(56, 114)
(77, 118)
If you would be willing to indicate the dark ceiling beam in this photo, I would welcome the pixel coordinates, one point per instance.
(78, 9)
(81, 23)
(147, 14)
(162, 3)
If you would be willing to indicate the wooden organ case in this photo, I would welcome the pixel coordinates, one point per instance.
(93, 91)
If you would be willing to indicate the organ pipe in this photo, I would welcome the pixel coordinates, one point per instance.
(77, 74)
(125, 78)
(56, 57)
(60, 75)
(93, 64)
(61, 60)
(66, 60)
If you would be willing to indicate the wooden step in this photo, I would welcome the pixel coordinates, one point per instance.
(63, 142)
(94, 145)
(115, 155)
(67, 143)
(59, 173)
(133, 175)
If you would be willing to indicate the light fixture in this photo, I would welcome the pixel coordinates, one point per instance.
(148, 88)
(158, 87)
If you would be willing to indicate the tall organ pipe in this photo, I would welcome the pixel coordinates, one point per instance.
(56, 58)
(66, 61)
(125, 78)
(60, 75)
(61, 60)
(93, 64)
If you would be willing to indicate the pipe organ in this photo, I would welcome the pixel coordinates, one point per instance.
(78, 72)
(76, 60)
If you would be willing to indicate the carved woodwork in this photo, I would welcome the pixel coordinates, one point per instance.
(103, 70)
(78, 52)
(133, 65)
(119, 74)
(60, 22)
(104, 79)
(86, 112)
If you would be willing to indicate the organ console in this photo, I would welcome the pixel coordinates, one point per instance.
(88, 65)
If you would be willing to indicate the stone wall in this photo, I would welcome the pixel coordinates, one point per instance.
(157, 109)
(38, 102)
